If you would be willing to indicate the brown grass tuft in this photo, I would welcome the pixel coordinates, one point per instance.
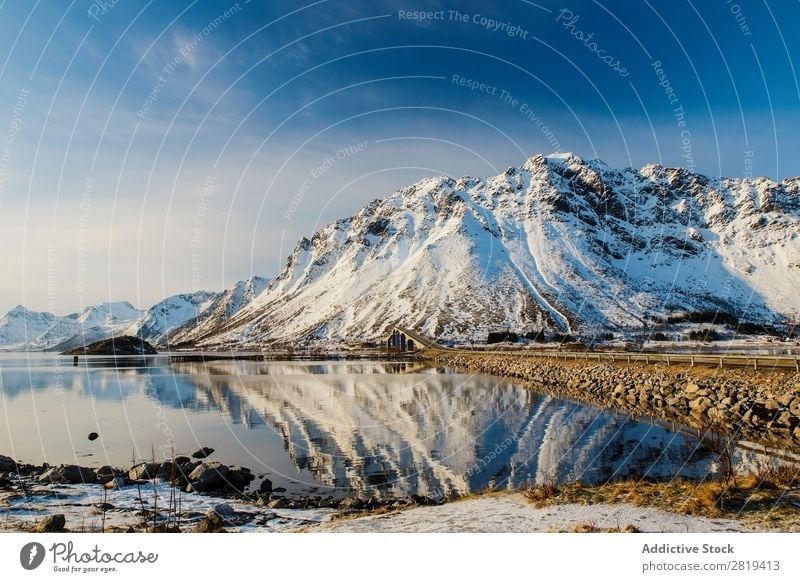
(768, 499)
(541, 493)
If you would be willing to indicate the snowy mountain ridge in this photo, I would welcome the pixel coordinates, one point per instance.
(559, 243)
(22, 329)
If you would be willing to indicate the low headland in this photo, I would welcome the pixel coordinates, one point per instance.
(124, 345)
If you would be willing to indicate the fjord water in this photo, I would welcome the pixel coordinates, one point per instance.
(386, 429)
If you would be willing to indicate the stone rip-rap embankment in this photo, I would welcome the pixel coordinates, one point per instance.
(754, 405)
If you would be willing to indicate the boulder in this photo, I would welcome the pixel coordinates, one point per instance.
(168, 471)
(699, 405)
(106, 473)
(266, 486)
(115, 483)
(202, 453)
(144, 471)
(224, 510)
(51, 523)
(239, 478)
(187, 467)
(213, 522)
(351, 503)
(72, 474)
(209, 477)
(7, 464)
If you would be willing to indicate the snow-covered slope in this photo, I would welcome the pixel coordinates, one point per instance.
(19, 326)
(224, 306)
(170, 313)
(94, 323)
(560, 242)
(184, 316)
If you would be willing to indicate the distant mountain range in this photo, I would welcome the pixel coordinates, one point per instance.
(182, 315)
(559, 244)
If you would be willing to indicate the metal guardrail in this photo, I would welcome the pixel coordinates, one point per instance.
(719, 360)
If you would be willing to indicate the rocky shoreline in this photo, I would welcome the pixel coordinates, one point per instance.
(156, 491)
(758, 406)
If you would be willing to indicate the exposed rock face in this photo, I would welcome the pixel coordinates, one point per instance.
(218, 313)
(171, 313)
(125, 345)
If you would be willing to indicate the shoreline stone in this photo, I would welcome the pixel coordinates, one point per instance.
(758, 406)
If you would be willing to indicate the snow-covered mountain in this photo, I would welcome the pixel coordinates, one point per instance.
(191, 313)
(559, 242)
(171, 313)
(19, 326)
(94, 323)
(224, 306)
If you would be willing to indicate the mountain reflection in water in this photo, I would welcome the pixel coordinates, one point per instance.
(394, 429)
(365, 428)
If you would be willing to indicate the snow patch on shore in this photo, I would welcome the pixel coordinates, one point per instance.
(512, 513)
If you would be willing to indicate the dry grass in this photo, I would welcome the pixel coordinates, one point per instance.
(591, 528)
(768, 499)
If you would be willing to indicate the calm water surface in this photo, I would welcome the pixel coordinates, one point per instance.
(341, 428)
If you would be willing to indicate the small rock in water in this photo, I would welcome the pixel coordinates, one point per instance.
(202, 453)
(93, 436)
(266, 486)
(51, 523)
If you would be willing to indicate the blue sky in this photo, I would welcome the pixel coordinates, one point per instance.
(151, 148)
